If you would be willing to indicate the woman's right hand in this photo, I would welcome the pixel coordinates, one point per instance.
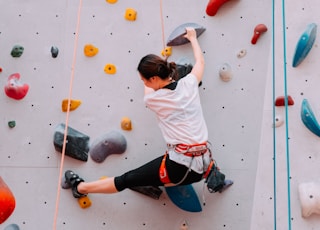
(190, 33)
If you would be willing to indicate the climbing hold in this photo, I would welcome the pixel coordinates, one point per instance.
(110, 69)
(304, 44)
(184, 225)
(65, 184)
(225, 72)
(77, 143)
(258, 30)
(111, 1)
(242, 53)
(17, 51)
(213, 6)
(12, 227)
(280, 101)
(14, 88)
(309, 195)
(7, 201)
(126, 124)
(308, 118)
(166, 52)
(103, 177)
(1, 70)
(90, 50)
(84, 202)
(278, 121)
(74, 104)
(12, 124)
(130, 14)
(54, 51)
(151, 191)
(110, 143)
(177, 38)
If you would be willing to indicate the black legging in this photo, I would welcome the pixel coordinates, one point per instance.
(148, 175)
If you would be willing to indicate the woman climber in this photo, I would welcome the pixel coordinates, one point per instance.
(176, 103)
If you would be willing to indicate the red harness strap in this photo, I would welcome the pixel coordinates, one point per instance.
(163, 171)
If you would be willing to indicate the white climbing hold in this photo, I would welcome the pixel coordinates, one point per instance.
(242, 53)
(225, 72)
(309, 194)
(278, 121)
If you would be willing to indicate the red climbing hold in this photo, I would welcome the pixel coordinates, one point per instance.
(280, 101)
(14, 88)
(7, 201)
(213, 6)
(258, 30)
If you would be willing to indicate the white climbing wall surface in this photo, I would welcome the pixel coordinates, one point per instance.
(237, 108)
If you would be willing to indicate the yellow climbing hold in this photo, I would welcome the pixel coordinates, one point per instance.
(84, 202)
(103, 177)
(166, 52)
(130, 14)
(110, 69)
(111, 1)
(90, 50)
(126, 124)
(74, 104)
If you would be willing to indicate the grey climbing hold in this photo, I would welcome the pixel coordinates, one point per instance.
(177, 38)
(54, 51)
(12, 227)
(77, 143)
(17, 51)
(111, 143)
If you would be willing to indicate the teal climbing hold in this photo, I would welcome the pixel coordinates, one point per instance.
(304, 44)
(12, 124)
(17, 51)
(12, 227)
(308, 118)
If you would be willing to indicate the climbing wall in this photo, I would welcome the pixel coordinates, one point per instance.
(238, 111)
(290, 199)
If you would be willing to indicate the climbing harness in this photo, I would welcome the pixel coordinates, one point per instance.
(196, 150)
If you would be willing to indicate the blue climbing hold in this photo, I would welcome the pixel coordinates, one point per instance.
(308, 118)
(304, 44)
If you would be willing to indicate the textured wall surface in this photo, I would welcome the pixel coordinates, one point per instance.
(238, 112)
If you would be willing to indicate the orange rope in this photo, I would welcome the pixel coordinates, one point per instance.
(162, 25)
(67, 116)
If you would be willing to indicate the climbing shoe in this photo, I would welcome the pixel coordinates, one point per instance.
(74, 180)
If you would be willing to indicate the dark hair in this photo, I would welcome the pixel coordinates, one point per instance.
(153, 65)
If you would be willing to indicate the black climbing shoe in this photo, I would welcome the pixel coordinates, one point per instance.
(74, 180)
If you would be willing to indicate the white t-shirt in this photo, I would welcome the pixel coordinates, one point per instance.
(180, 118)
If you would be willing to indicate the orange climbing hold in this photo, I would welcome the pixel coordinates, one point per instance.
(110, 69)
(90, 50)
(280, 101)
(111, 1)
(74, 104)
(166, 52)
(7, 201)
(130, 14)
(84, 202)
(213, 6)
(14, 88)
(126, 124)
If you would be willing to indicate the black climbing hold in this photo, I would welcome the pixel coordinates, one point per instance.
(150, 191)
(77, 143)
(111, 143)
(54, 51)
(17, 51)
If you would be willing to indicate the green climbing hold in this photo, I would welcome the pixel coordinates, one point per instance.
(17, 51)
(12, 124)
